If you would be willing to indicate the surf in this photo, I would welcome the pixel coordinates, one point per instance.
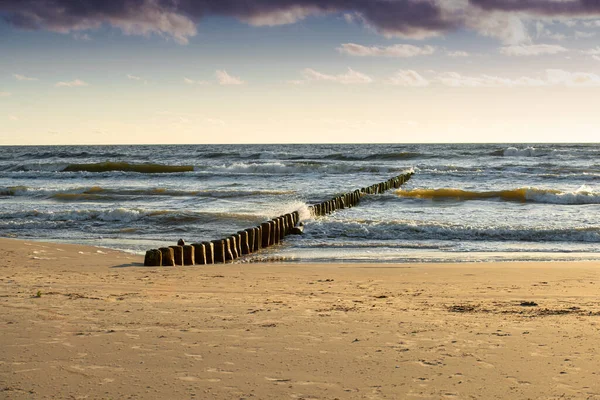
(583, 195)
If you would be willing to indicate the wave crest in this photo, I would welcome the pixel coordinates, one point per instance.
(583, 195)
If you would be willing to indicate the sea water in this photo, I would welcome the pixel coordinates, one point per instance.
(465, 202)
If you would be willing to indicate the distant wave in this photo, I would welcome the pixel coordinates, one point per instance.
(583, 195)
(97, 193)
(128, 215)
(526, 152)
(398, 230)
(127, 167)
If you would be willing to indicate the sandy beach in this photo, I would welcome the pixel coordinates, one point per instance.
(89, 323)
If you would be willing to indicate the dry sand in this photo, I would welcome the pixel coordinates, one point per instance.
(105, 327)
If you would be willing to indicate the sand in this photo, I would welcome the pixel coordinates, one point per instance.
(87, 323)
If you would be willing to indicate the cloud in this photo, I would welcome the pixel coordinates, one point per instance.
(74, 83)
(194, 82)
(532, 50)
(178, 19)
(134, 78)
(584, 35)
(408, 78)
(560, 77)
(397, 50)
(454, 79)
(551, 77)
(541, 7)
(225, 79)
(24, 78)
(5, 94)
(458, 54)
(348, 78)
(13, 118)
(592, 52)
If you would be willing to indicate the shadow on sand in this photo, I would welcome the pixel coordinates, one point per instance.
(135, 264)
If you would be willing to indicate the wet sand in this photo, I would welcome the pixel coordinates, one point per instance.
(83, 322)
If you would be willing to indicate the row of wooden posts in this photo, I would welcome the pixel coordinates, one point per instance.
(266, 234)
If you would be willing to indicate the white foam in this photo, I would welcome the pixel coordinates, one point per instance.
(526, 152)
(583, 195)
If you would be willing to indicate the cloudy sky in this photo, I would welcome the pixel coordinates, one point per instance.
(298, 71)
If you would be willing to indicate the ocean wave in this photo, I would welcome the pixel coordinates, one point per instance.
(13, 190)
(96, 193)
(127, 167)
(583, 195)
(526, 152)
(283, 168)
(127, 215)
(409, 230)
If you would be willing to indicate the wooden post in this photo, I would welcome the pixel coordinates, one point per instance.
(168, 256)
(199, 253)
(177, 254)
(188, 255)
(153, 258)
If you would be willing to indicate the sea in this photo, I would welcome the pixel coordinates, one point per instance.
(465, 202)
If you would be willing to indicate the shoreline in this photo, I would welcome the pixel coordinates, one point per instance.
(83, 321)
(410, 256)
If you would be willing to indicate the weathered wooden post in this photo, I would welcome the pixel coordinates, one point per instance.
(177, 254)
(230, 249)
(219, 251)
(188, 255)
(257, 238)
(153, 258)
(168, 256)
(199, 253)
(266, 234)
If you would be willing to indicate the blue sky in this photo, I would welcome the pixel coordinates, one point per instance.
(298, 71)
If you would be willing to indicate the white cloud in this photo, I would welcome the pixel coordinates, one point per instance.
(397, 50)
(194, 82)
(5, 94)
(510, 29)
(597, 58)
(454, 79)
(560, 77)
(134, 78)
(584, 35)
(592, 24)
(74, 83)
(458, 54)
(551, 77)
(408, 78)
(283, 17)
(348, 78)
(225, 79)
(532, 50)
(20, 77)
(592, 52)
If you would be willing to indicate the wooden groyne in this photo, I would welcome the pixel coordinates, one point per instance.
(262, 236)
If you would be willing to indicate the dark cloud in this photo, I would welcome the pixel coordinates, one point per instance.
(541, 7)
(177, 18)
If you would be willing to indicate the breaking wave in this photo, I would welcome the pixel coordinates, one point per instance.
(526, 152)
(583, 195)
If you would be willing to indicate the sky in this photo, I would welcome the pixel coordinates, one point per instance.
(299, 71)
